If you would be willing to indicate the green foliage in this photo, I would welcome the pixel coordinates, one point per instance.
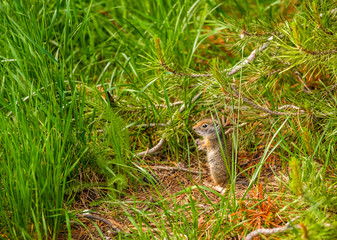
(46, 127)
(111, 158)
(296, 183)
(38, 106)
(59, 59)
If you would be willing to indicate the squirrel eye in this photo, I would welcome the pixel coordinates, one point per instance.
(204, 126)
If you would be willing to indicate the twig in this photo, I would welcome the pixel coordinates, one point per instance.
(254, 105)
(250, 58)
(171, 104)
(266, 231)
(176, 169)
(237, 108)
(231, 72)
(306, 89)
(154, 149)
(158, 105)
(162, 140)
(288, 106)
(115, 229)
(151, 125)
(232, 129)
(257, 106)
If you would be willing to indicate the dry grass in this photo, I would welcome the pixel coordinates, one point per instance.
(256, 209)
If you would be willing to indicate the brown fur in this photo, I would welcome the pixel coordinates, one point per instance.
(209, 130)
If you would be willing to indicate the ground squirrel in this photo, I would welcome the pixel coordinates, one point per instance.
(210, 130)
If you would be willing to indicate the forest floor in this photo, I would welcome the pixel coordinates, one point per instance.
(180, 187)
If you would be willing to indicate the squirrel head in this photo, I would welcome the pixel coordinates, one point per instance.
(207, 127)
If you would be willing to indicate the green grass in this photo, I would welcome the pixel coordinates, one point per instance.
(77, 77)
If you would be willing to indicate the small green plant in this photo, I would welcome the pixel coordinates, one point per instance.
(110, 155)
(296, 184)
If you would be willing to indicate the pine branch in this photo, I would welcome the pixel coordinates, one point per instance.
(231, 72)
(259, 107)
(250, 58)
(317, 53)
(162, 140)
(154, 149)
(288, 106)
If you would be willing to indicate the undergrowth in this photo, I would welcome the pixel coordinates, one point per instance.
(87, 85)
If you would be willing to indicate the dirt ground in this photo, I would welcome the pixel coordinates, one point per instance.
(112, 217)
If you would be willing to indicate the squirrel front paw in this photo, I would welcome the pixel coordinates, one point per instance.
(200, 144)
